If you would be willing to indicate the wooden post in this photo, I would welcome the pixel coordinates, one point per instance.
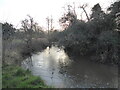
(1, 55)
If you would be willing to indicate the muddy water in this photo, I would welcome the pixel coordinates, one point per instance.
(55, 67)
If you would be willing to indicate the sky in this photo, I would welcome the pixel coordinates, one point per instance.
(13, 11)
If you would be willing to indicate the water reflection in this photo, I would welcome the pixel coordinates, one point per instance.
(55, 68)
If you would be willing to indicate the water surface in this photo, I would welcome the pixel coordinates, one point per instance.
(55, 67)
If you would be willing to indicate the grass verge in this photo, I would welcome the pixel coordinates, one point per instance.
(16, 77)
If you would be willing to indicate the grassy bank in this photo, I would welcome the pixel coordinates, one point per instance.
(16, 77)
(15, 50)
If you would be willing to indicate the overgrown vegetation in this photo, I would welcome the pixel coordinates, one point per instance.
(99, 37)
(17, 46)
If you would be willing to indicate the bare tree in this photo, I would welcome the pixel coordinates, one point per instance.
(83, 7)
(74, 9)
(51, 21)
(28, 26)
(69, 17)
(48, 24)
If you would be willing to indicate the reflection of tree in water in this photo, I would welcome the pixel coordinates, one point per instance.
(62, 67)
(29, 62)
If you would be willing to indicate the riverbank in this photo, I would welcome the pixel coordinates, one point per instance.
(15, 51)
(16, 77)
(93, 57)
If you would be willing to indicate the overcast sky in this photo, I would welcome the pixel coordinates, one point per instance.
(13, 11)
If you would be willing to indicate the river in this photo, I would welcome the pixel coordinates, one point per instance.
(55, 67)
